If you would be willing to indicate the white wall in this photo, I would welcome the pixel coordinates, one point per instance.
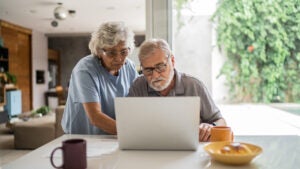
(192, 48)
(39, 62)
(219, 90)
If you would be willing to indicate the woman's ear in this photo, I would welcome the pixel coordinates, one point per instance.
(100, 53)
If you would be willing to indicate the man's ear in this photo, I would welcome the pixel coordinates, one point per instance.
(173, 60)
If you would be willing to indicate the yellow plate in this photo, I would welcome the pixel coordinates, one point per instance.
(213, 149)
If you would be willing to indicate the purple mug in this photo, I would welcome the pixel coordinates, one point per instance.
(73, 154)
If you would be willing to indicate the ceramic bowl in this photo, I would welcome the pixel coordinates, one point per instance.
(214, 150)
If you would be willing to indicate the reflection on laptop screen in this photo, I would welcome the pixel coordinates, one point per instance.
(158, 123)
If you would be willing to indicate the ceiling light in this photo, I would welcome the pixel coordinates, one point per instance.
(54, 23)
(72, 13)
(60, 12)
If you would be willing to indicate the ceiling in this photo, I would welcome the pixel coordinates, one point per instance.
(38, 15)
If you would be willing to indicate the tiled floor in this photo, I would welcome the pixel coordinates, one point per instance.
(244, 119)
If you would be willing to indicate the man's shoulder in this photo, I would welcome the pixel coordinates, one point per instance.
(191, 83)
(186, 78)
(140, 80)
(139, 87)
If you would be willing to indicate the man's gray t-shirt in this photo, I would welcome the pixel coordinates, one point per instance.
(91, 82)
(185, 85)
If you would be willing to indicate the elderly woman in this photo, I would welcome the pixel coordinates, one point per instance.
(97, 79)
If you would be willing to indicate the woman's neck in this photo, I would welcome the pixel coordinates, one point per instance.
(113, 72)
(110, 71)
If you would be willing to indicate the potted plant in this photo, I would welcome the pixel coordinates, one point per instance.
(44, 110)
(11, 78)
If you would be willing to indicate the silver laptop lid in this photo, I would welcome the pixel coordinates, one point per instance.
(158, 123)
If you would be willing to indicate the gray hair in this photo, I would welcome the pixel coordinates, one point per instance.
(108, 35)
(148, 48)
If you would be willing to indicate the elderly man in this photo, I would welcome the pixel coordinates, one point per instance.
(160, 78)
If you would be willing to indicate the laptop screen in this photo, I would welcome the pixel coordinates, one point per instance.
(161, 123)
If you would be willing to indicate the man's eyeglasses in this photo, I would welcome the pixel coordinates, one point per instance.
(161, 67)
(114, 54)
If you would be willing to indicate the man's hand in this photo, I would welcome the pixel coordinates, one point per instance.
(204, 132)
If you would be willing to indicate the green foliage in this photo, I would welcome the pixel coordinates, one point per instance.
(261, 39)
(11, 78)
(42, 110)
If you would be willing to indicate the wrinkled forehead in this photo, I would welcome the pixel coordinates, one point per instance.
(121, 45)
(154, 58)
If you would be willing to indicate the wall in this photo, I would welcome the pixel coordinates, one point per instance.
(219, 89)
(39, 62)
(71, 50)
(192, 48)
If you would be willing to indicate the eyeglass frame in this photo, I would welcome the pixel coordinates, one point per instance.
(114, 54)
(156, 67)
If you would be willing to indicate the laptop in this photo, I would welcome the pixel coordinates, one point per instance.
(157, 123)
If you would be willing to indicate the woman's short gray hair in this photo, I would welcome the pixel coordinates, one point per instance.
(108, 35)
(148, 48)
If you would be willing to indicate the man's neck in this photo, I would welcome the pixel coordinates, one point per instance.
(166, 91)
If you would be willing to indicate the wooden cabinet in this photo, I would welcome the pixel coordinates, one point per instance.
(18, 41)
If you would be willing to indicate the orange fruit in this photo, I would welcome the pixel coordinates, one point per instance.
(250, 48)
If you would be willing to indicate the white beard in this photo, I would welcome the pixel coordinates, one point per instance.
(155, 83)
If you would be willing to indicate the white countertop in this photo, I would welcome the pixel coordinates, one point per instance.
(279, 152)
